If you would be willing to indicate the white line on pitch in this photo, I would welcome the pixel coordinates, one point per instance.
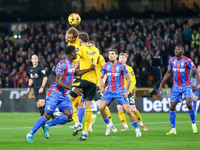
(2, 128)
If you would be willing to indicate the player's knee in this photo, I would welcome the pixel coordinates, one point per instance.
(133, 109)
(189, 105)
(119, 108)
(101, 108)
(47, 115)
(128, 112)
(172, 108)
(68, 113)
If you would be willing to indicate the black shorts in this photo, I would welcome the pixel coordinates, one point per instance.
(98, 95)
(89, 88)
(39, 95)
(130, 97)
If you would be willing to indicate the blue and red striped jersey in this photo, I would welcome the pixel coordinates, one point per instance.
(181, 71)
(68, 69)
(115, 75)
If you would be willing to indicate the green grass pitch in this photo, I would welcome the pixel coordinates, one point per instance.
(15, 126)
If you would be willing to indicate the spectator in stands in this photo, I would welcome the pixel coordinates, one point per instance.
(50, 80)
(7, 83)
(144, 75)
(195, 38)
(24, 80)
(157, 67)
(21, 72)
(187, 34)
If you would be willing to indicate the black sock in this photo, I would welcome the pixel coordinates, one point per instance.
(41, 110)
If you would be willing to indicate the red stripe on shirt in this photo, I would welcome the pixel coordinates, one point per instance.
(172, 69)
(179, 74)
(186, 74)
(65, 75)
(121, 79)
(113, 78)
(106, 74)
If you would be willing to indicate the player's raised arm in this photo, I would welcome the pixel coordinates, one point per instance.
(81, 72)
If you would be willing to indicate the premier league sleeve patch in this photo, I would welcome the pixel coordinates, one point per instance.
(59, 67)
(132, 73)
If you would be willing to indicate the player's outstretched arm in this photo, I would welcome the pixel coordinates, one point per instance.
(167, 75)
(30, 82)
(197, 78)
(81, 72)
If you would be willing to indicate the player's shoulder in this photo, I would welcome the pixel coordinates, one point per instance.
(172, 58)
(187, 59)
(121, 64)
(31, 68)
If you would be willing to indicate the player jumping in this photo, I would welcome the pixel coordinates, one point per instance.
(57, 94)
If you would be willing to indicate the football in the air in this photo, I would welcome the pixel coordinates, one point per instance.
(74, 19)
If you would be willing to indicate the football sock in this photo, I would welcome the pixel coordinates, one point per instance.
(41, 110)
(108, 114)
(138, 116)
(75, 117)
(194, 105)
(172, 116)
(122, 117)
(88, 117)
(81, 113)
(59, 120)
(106, 120)
(41, 121)
(192, 116)
(135, 124)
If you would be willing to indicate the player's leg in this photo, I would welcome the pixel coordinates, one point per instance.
(195, 98)
(121, 115)
(188, 95)
(75, 105)
(81, 110)
(138, 116)
(49, 109)
(132, 119)
(176, 96)
(135, 111)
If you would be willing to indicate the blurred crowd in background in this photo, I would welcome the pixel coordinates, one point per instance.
(148, 43)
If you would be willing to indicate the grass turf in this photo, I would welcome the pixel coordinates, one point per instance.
(15, 126)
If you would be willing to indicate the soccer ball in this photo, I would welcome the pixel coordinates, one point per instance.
(74, 19)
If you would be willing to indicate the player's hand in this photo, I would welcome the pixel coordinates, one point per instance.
(77, 65)
(41, 90)
(101, 89)
(28, 89)
(53, 68)
(160, 87)
(78, 91)
(125, 95)
(106, 88)
(92, 67)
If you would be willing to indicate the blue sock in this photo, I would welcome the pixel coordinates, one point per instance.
(194, 105)
(41, 121)
(81, 113)
(59, 120)
(172, 116)
(135, 124)
(192, 116)
(106, 120)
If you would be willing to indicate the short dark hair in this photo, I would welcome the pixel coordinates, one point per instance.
(180, 45)
(84, 37)
(114, 50)
(69, 49)
(92, 42)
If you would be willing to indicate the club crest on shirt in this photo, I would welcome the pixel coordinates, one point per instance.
(182, 63)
